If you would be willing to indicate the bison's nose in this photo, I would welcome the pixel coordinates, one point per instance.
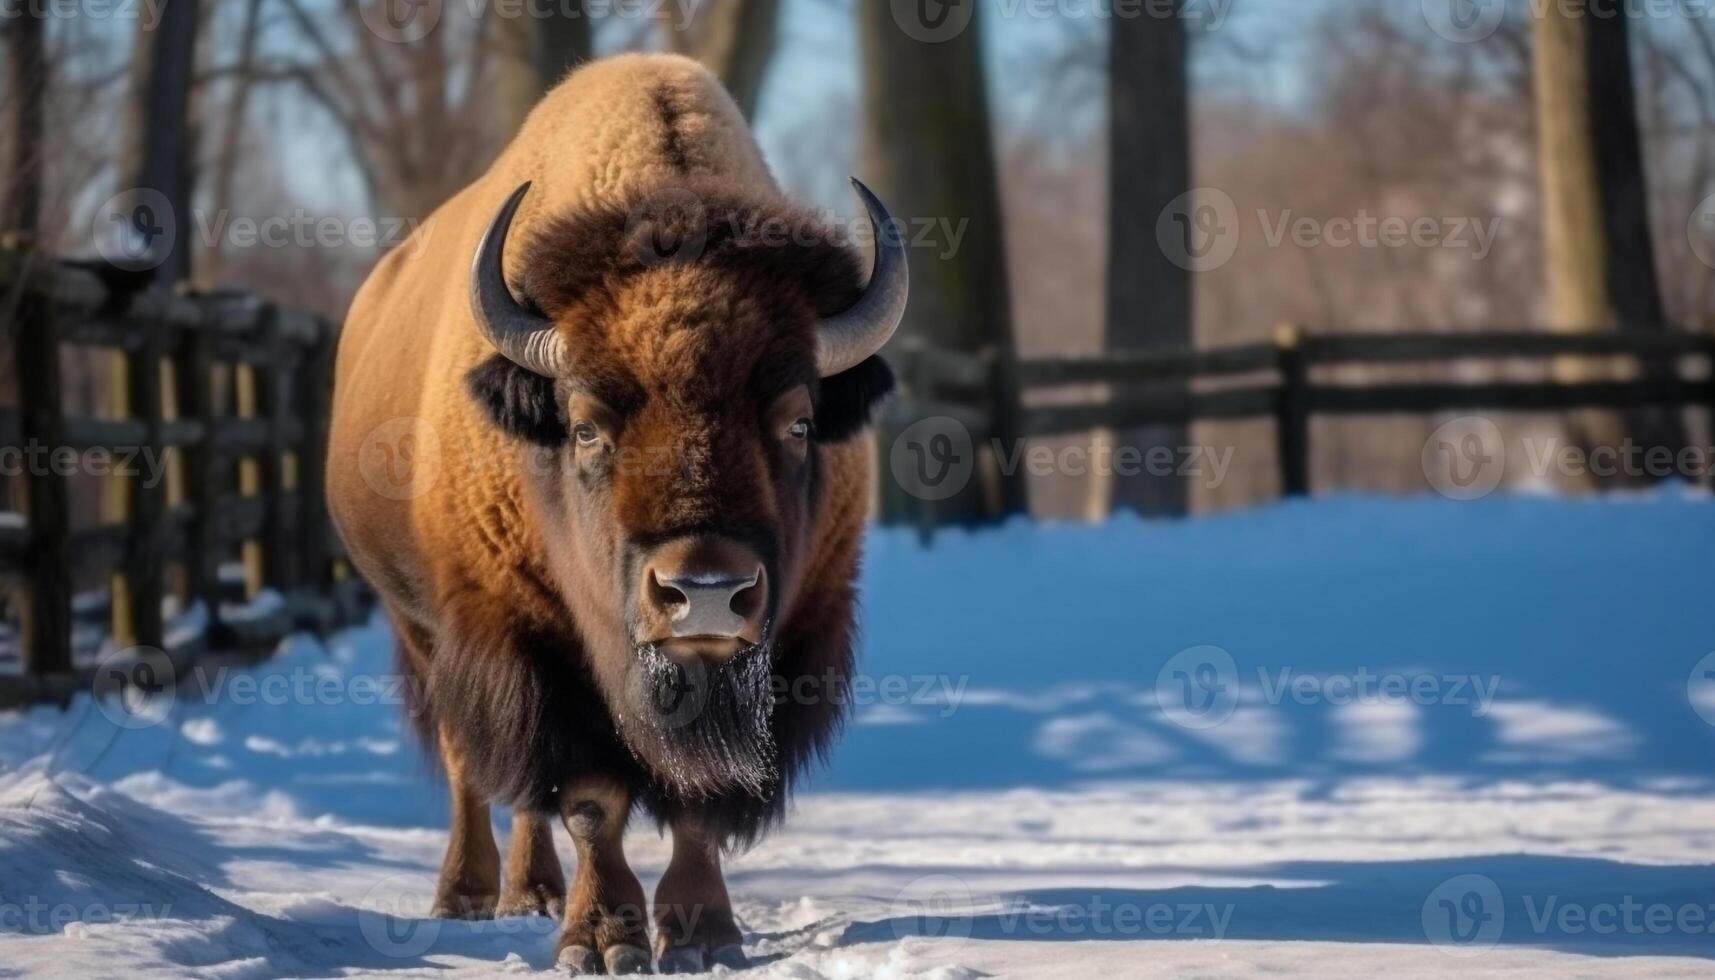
(708, 591)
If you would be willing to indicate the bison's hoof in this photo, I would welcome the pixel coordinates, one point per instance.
(626, 959)
(580, 961)
(533, 900)
(730, 956)
(682, 959)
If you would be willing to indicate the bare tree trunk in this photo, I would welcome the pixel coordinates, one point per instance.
(735, 38)
(232, 132)
(1149, 295)
(1575, 245)
(540, 50)
(928, 151)
(1634, 287)
(160, 147)
(21, 210)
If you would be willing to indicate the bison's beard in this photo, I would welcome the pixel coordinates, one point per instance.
(703, 730)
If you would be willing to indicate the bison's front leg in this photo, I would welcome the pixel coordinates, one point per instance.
(605, 923)
(694, 925)
(534, 883)
(470, 872)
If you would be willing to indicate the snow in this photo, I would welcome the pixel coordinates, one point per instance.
(1327, 738)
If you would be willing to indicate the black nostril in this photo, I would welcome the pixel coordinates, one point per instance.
(747, 602)
(665, 597)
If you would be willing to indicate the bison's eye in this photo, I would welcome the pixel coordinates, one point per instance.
(800, 429)
(585, 432)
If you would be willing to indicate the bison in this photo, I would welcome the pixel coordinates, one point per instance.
(596, 444)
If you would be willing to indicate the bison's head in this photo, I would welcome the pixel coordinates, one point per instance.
(684, 366)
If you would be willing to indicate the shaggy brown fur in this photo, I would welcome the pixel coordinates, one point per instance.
(507, 558)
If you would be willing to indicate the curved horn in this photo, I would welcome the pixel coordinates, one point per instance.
(526, 338)
(846, 340)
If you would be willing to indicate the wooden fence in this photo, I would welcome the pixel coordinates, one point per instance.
(236, 483)
(1279, 381)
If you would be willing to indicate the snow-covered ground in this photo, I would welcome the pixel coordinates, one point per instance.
(1338, 737)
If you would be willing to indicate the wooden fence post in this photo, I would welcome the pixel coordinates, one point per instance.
(280, 525)
(145, 574)
(202, 464)
(1292, 412)
(315, 395)
(42, 417)
(1709, 398)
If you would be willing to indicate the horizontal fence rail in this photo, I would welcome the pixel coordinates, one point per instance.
(231, 499)
(1279, 381)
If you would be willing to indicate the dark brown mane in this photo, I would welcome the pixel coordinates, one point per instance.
(773, 248)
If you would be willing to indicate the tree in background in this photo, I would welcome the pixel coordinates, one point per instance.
(161, 141)
(1632, 281)
(1148, 293)
(26, 84)
(735, 39)
(543, 48)
(929, 153)
(1582, 267)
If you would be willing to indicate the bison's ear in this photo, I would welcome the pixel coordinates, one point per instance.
(521, 402)
(847, 401)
